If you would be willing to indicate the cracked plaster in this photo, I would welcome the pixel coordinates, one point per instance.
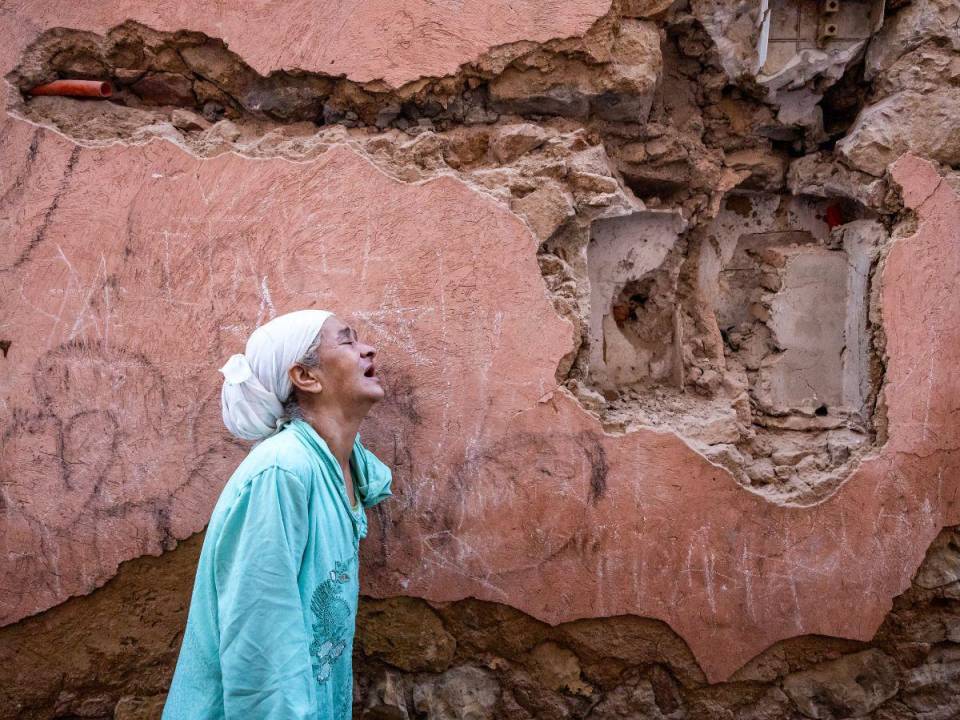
(604, 524)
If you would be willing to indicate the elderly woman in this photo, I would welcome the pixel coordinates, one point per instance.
(271, 621)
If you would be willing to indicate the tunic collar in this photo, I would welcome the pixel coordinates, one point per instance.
(309, 437)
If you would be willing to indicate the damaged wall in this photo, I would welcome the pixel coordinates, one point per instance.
(473, 659)
(666, 332)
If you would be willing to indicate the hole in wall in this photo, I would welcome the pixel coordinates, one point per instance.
(154, 73)
(149, 70)
(843, 101)
(633, 265)
(748, 336)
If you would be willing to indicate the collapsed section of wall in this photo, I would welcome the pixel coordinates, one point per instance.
(750, 336)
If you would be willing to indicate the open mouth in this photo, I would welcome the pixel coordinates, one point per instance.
(370, 372)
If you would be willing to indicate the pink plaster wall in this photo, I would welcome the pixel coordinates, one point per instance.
(131, 270)
(128, 273)
(673, 537)
(396, 41)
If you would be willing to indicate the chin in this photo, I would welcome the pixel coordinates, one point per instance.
(374, 394)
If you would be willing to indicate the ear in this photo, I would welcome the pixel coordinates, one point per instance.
(305, 379)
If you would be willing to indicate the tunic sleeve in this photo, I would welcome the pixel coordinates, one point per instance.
(264, 651)
(375, 477)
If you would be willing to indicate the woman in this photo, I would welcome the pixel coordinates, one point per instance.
(271, 623)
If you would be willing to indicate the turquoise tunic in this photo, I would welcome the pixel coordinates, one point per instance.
(271, 623)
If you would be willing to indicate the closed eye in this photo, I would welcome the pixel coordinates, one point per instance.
(347, 336)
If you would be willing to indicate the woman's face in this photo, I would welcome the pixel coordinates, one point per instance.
(347, 372)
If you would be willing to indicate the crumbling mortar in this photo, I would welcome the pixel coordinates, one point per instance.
(232, 140)
(328, 98)
(878, 346)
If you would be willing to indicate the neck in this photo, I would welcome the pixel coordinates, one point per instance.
(338, 428)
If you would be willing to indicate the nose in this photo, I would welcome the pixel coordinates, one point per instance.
(368, 351)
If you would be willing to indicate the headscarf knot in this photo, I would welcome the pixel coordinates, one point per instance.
(256, 383)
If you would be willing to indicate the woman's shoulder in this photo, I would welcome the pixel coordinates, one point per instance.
(280, 454)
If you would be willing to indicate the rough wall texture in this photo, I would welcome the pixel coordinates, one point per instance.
(394, 42)
(111, 655)
(667, 314)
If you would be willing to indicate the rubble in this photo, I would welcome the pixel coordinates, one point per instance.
(817, 175)
(914, 24)
(186, 120)
(887, 129)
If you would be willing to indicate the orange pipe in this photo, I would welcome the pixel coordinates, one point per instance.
(76, 88)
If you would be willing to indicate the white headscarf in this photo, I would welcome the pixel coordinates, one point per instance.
(256, 384)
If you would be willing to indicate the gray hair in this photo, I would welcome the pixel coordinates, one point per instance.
(310, 359)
